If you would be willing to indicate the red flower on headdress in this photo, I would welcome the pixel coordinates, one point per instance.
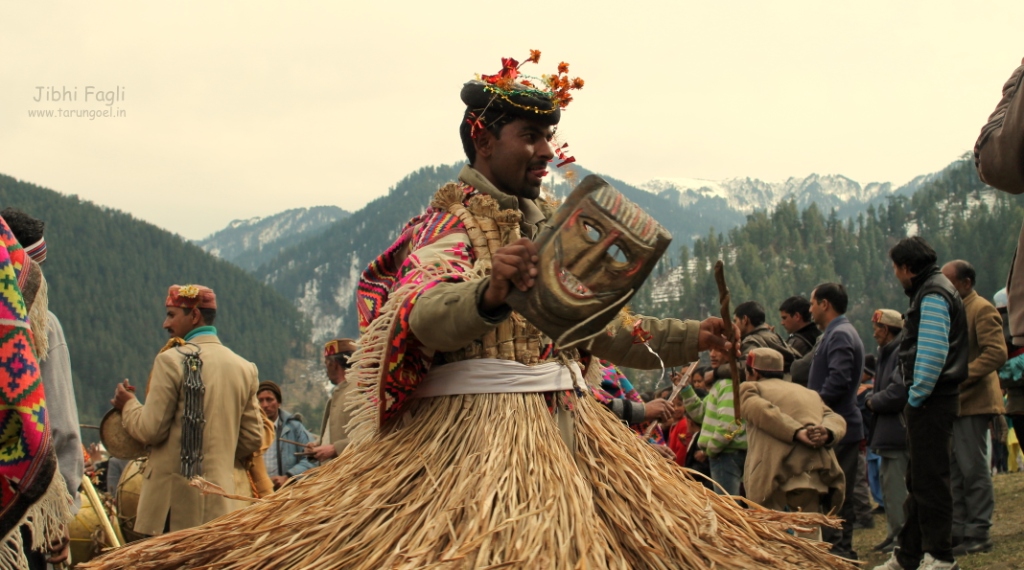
(563, 68)
(509, 72)
(534, 56)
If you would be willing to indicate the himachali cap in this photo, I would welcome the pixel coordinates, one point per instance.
(1000, 299)
(37, 251)
(765, 360)
(191, 297)
(272, 386)
(339, 347)
(888, 317)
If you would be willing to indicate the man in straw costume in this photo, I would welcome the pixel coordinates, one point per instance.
(476, 443)
(200, 418)
(35, 507)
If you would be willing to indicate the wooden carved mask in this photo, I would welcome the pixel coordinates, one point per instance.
(597, 251)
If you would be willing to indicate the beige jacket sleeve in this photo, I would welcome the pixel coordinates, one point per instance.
(151, 423)
(766, 416)
(674, 340)
(988, 327)
(250, 432)
(447, 316)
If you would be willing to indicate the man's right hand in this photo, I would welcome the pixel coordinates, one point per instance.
(514, 265)
(323, 452)
(279, 480)
(803, 437)
(122, 395)
(712, 335)
(659, 409)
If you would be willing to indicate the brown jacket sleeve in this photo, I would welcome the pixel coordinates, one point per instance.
(674, 340)
(765, 415)
(446, 317)
(151, 423)
(250, 432)
(988, 329)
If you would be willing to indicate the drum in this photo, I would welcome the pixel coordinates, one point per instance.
(116, 439)
(128, 490)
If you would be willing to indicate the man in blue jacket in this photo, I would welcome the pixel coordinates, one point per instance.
(835, 374)
(281, 459)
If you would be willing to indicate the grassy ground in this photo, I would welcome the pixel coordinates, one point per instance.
(1007, 531)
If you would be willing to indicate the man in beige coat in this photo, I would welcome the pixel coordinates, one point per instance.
(980, 400)
(233, 428)
(333, 430)
(790, 431)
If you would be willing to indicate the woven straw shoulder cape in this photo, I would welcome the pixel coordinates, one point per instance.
(479, 480)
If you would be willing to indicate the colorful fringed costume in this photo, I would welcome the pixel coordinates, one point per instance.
(500, 477)
(614, 385)
(32, 493)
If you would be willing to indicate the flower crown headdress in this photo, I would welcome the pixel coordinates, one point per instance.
(518, 93)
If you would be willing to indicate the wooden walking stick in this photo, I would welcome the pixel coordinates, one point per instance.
(730, 335)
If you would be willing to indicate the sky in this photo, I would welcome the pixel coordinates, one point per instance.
(224, 111)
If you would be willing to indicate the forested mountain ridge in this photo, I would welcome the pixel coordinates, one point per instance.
(251, 243)
(320, 274)
(789, 251)
(108, 274)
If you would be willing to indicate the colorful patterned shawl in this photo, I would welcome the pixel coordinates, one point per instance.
(28, 496)
(419, 259)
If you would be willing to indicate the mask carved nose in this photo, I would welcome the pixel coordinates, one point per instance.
(591, 258)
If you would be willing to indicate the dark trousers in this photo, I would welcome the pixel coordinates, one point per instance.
(929, 505)
(842, 540)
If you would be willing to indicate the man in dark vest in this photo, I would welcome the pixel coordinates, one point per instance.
(933, 355)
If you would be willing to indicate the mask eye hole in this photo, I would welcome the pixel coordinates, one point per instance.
(617, 254)
(593, 234)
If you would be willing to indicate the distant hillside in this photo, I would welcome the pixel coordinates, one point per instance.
(253, 242)
(320, 275)
(108, 274)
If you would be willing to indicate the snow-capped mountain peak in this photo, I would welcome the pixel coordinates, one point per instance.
(749, 194)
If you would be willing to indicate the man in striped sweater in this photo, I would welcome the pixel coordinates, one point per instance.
(933, 353)
(723, 439)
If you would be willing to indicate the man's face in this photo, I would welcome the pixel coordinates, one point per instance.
(742, 323)
(818, 311)
(335, 370)
(518, 159)
(269, 404)
(179, 322)
(792, 321)
(903, 275)
(881, 334)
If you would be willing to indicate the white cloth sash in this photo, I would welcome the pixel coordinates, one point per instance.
(494, 376)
